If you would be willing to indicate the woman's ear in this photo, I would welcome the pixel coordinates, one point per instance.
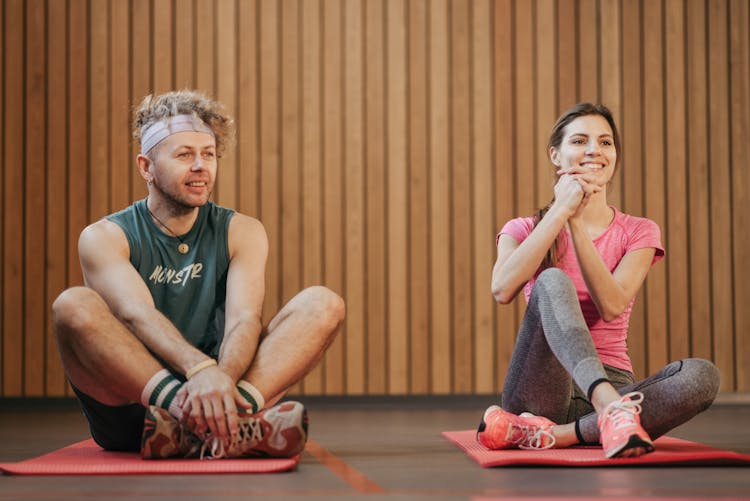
(554, 156)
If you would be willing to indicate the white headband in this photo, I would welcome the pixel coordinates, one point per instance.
(159, 131)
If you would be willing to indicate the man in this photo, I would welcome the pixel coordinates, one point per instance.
(167, 330)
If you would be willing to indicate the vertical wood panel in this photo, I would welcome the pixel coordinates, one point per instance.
(545, 99)
(354, 178)
(312, 180)
(631, 158)
(484, 346)
(524, 108)
(567, 55)
(676, 187)
(504, 167)
(34, 197)
(269, 150)
(739, 15)
(78, 132)
(185, 42)
(140, 83)
(163, 62)
(698, 182)
(120, 161)
(205, 47)
(720, 220)
(57, 245)
(333, 188)
(588, 50)
(375, 197)
(248, 110)
(291, 228)
(226, 92)
(461, 194)
(610, 63)
(12, 380)
(398, 184)
(653, 127)
(291, 224)
(2, 190)
(99, 111)
(419, 247)
(440, 304)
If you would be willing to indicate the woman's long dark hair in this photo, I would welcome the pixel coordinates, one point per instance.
(555, 140)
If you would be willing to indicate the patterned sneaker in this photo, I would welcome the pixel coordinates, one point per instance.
(280, 431)
(164, 437)
(620, 426)
(501, 429)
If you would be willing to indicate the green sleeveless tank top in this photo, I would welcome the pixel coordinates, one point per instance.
(189, 289)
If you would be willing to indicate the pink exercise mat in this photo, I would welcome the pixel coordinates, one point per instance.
(669, 451)
(87, 458)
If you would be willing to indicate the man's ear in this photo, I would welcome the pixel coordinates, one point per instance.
(144, 167)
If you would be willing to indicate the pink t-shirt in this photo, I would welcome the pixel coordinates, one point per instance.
(625, 234)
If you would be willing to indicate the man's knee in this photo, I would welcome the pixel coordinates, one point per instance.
(74, 309)
(327, 306)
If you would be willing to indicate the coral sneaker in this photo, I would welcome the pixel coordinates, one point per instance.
(501, 429)
(280, 431)
(620, 426)
(164, 437)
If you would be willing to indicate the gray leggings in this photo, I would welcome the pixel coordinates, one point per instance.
(554, 365)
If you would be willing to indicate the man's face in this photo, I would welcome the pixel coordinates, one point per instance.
(184, 168)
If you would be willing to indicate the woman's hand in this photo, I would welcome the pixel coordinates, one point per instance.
(574, 189)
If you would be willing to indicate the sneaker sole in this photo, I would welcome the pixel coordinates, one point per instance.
(633, 442)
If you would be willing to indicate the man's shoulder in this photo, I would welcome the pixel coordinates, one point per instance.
(103, 229)
(244, 223)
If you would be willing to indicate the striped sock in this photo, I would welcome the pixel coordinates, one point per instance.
(160, 391)
(252, 395)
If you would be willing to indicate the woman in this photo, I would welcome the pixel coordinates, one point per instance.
(581, 262)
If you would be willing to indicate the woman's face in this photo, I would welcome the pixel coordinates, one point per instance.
(587, 143)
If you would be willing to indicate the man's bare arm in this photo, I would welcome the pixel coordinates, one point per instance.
(105, 261)
(248, 248)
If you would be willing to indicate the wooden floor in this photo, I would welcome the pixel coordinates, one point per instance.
(378, 448)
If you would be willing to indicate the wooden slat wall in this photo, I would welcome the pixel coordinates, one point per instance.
(383, 143)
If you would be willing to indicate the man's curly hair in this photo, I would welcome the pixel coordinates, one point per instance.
(186, 102)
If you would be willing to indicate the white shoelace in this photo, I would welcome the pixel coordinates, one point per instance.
(249, 434)
(534, 437)
(622, 412)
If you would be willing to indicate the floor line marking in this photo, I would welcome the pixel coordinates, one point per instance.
(342, 469)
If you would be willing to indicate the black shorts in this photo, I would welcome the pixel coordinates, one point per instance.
(116, 428)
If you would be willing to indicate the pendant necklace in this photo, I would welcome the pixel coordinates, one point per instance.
(183, 248)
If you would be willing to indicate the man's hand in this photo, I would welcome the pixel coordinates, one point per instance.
(209, 402)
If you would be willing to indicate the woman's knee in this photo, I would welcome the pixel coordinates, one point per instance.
(705, 378)
(553, 276)
(554, 282)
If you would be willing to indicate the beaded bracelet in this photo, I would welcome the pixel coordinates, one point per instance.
(199, 367)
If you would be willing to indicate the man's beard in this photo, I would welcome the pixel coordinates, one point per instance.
(178, 205)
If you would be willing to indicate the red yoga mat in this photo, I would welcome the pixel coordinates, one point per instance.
(87, 458)
(669, 451)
